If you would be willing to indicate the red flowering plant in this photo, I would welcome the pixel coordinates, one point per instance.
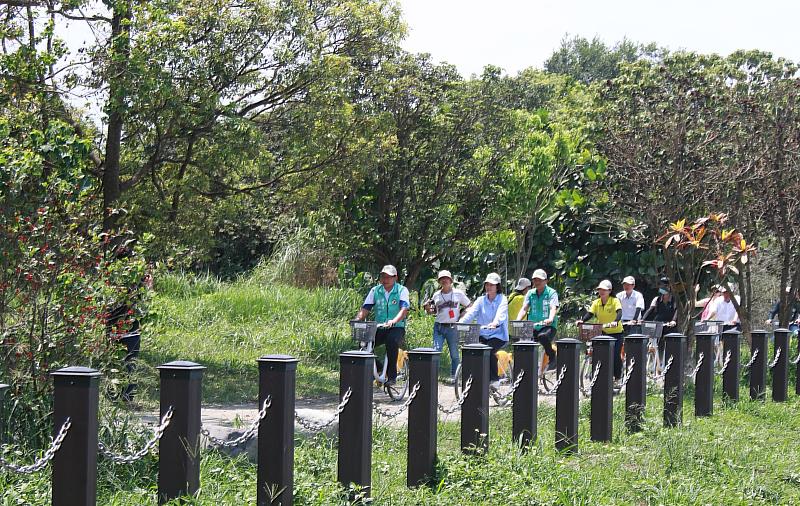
(59, 272)
(690, 249)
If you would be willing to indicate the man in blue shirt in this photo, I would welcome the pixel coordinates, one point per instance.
(491, 312)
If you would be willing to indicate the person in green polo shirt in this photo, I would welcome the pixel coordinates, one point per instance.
(607, 309)
(541, 306)
(389, 304)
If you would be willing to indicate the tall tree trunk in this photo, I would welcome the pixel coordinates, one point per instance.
(120, 53)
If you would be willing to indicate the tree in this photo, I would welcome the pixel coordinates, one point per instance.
(592, 60)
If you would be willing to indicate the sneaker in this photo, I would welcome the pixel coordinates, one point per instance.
(494, 385)
(390, 383)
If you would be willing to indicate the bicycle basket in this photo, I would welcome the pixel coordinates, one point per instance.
(363, 331)
(708, 326)
(652, 329)
(521, 329)
(587, 331)
(468, 333)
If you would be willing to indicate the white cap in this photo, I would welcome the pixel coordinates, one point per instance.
(444, 274)
(539, 274)
(522, 283)
(629, 280)
(605, 285)
(389, 269)
(493, 278)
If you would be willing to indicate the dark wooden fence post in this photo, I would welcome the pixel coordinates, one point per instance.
(423, 367)
(475, 410)
(76, 397)
(355, 422)
(758, 370)
(526, 396)
(704, 380)
(3, 389)
(780, 371)
(673, 380)
(603, 389)
(731, 352)
(276, 381)
(567, 396)
(179, 448)
(636, 389)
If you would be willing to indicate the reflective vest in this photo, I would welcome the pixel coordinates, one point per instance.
(387, 309)
(539, 306)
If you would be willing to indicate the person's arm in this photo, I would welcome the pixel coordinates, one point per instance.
(776, 308)
(650, 310)
(586, 317)
(366, 307)
(465, 300)
(524, 310)
(674, 319)
(501, 316)
(469, 315)
(553, 309)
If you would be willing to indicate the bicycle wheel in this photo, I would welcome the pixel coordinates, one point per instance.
(586, 374)
(506, 371)
(457, 382)
(398, 391)
(547, 376)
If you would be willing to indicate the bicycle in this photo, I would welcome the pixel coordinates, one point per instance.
(655, 357)
(587, 332)
(364, 332)
(716, 327)
(469, 333)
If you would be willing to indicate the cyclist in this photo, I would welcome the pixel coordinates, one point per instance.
(491, 312)
(632, 302)
(794, 313)
(708, 303)
(662, 309)
(541, 305)
(724, 310)
(446, 304)
(607, 309)
(389, 302)
(517, 297)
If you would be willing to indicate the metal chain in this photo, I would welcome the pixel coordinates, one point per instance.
(725, 363)
(130, 459)
(796, 360)
(514, 387)
(554, 390)
(628, 373)
(588, 390)
(666, 369)
(775, 360)
(697, 367)
(46, 458)
(455, 407)
(391, 415)
(752, 360)
(249, 433)
(317, 427)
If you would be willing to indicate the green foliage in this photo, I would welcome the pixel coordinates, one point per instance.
(592, 60)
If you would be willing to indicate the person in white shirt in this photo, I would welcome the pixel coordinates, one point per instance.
(632, 302)
(446, 304)
(724, 310)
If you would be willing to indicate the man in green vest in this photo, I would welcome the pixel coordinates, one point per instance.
(389, 303)
(541, 306)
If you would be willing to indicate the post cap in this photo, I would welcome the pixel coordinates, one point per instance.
(276, 358)
(183, 365)
(424, 351)
(782, 330)
(76, 371)
(568, 341)
(357, 354)
(635, 337)
(3, 386)
(525, 343)
(759, 331)
(675, 335)
(706, 335)
(604, 338)
(732, 331)
(475, 346)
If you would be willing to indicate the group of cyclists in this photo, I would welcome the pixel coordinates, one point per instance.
(532, 300)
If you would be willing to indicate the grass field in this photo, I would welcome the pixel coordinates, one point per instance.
(745, 454)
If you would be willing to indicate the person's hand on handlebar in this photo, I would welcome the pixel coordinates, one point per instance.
(578, 323)
(386, 325)
(670, 324)
(548, 321)
(490, 326)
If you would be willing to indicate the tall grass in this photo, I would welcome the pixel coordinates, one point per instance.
(227, 326)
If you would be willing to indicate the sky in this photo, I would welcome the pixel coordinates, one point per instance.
(516, 34)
